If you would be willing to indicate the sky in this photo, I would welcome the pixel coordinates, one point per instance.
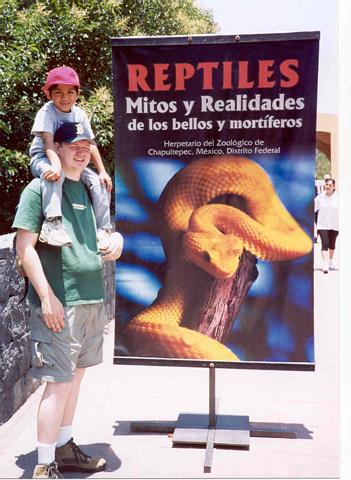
(277, 16)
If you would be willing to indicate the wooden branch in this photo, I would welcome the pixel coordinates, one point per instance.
(224, 299)
(220, 307)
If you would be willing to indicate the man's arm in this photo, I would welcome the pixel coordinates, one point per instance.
(52, 309)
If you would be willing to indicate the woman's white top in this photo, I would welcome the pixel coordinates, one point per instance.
(328, 211)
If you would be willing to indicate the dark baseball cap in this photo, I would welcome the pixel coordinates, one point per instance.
(70, 132)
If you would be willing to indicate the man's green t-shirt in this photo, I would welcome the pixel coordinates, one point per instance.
(74, 273)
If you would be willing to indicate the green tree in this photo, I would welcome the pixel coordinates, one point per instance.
(322, 165)
(36, 36)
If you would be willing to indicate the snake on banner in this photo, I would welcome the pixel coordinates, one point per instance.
(197, 234)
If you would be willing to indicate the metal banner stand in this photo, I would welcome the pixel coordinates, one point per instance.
(213, 430)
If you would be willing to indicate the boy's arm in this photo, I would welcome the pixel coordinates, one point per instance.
(52, 309)
(53, 173)
(105, 178)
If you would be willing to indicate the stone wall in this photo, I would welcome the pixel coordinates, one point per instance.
(16, 383)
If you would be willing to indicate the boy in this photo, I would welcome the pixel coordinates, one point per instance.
(62, 90)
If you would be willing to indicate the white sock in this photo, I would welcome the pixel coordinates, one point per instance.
(65, 434)
(46, 453)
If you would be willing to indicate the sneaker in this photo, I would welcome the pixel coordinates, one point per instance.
(103, 238)
(53, 232)
(332, 265)
(71, 458)
(118, 237)
(47, 471)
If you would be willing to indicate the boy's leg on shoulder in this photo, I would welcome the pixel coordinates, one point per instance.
(51, 192)
(53, 231)
(101, 199)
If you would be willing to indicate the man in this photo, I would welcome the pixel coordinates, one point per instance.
(66, 298)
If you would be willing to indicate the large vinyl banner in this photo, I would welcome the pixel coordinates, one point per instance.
(215, 162)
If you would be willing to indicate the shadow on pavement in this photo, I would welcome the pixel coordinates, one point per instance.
(280, 430)
(257, 429)
(134, 427)
(27, 462)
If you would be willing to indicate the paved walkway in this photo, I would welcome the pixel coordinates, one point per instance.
(113, 396)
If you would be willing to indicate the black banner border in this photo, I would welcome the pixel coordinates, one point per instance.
(213, 39)
(245, 365)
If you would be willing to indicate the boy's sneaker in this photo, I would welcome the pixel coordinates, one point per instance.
(71, 458)
(103, 238)
(47, 471)
(53, 232)
(120, 243)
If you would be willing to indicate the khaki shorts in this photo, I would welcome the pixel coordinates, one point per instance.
(55, 356)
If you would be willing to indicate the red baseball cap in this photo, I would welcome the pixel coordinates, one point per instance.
(63, 75)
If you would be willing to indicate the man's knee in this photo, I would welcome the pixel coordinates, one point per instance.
(57, 388)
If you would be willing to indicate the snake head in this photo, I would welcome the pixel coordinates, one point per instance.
(219, 255)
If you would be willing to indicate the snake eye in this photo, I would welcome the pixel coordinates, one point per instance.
(206, 256)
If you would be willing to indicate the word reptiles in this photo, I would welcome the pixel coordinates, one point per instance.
(241, 74)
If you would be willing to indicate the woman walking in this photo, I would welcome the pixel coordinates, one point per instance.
(326, 204)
